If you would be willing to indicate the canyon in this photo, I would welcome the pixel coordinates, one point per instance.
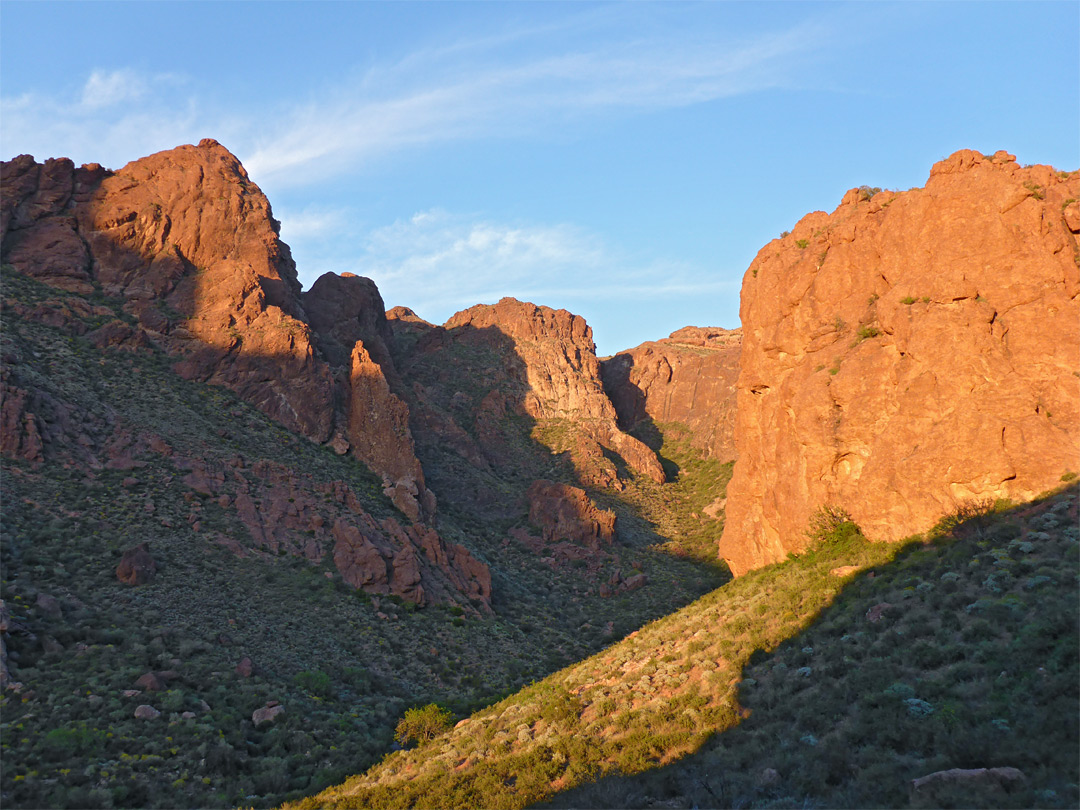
(374, 508)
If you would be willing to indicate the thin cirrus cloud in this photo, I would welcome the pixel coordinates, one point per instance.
(519, 83)
(391, 107)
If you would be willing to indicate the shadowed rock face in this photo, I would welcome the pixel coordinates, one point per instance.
(907, 353)
(560, 374)
(687, 378)
(346, 313)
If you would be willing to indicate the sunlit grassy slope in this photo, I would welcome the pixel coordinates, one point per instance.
(973, 663)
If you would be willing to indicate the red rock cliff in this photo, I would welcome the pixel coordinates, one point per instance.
(907, 353)
(559, 371)
(190, 243)
(687, 378)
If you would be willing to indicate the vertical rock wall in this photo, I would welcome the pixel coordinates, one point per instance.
(907, 353)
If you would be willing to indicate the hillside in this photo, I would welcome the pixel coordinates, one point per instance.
(835, 678)
(299, 555)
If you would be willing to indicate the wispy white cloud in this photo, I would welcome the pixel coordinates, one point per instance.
(437, 262)
(106, 88)
(511, 82)
(486, 89)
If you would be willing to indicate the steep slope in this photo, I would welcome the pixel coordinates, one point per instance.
(191, 246)
(948, 678)
(906, 353)
(687, 378)
(886, 665)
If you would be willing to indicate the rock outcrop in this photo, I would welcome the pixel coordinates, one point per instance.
(908, 353)
(554, 361)
(346, 313)
(688, 378)
(563, 512)
(136, 566)
(286, 512)
(190, 244)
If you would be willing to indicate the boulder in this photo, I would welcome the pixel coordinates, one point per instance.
(996, 779)
(267, 714)
(136, 566)
(145, 712)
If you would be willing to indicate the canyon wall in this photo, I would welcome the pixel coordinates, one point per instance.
(687, 378)
(907, 353)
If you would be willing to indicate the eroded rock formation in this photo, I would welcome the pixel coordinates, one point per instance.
(688, 378)
(190, 244)
(556, 365)
(346, 313)
(906, 353)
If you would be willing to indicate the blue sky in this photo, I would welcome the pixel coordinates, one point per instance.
(624, 161)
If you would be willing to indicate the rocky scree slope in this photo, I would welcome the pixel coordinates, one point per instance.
(908, 352)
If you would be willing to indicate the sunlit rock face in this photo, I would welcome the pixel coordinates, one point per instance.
(907, 353)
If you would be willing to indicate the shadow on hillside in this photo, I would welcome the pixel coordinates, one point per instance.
(245, 330)
(482, 450)
(972, 661)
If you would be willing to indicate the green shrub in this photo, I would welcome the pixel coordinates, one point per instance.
(316, 682)
(866, 331)
(423, 723)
